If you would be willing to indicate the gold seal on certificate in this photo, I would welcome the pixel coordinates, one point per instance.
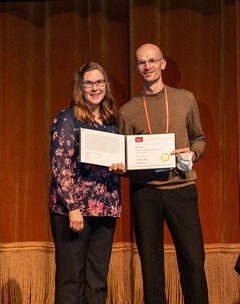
(165, 157)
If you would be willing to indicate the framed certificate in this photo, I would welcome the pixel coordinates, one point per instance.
(136, 152)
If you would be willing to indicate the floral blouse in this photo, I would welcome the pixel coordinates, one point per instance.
(91, 188)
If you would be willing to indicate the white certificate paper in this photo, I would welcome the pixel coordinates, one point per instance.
(136, 152)
(150, 151)
(101, 148)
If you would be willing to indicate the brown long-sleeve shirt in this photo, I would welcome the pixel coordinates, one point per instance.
(184, 121)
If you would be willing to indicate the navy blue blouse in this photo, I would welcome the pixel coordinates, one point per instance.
(91, 188)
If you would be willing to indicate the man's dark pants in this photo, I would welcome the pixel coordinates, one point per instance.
(179, 208)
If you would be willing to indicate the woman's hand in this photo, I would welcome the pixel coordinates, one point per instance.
(76, 222)
(117, 168)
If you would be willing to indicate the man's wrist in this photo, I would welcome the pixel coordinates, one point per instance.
(195, 155)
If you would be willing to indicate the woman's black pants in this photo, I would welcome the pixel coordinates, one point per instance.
(82, 259)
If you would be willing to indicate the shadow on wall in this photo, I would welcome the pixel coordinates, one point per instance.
(11, 292)
(172, 77)
(171, 74)
(118, 91)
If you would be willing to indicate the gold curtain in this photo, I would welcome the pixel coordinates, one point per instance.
(43, 43)
(28, 269)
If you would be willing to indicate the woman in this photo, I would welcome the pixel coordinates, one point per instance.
(84, 199)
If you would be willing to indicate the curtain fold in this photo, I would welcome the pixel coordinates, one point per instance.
(28, 271)
(43, 43)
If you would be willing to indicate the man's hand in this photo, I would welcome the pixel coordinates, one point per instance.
(178, 151)
(76, 222)
(184, 150)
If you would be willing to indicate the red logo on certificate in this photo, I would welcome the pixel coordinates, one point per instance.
(138, 139)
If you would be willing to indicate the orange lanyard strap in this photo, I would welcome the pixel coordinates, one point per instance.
(146, 111)
(146, 114)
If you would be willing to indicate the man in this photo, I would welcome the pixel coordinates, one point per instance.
(169, 195)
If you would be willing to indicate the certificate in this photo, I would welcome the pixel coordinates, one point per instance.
(136, 152)
(150, 151)
(101, 148)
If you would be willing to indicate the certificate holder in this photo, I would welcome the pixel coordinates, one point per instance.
(136, 152)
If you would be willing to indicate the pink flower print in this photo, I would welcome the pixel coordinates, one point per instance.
(68, 161)
(59, 152)
(54, 171)
(61, 140)
(66, 172)
(114, 194)
(69, 201)
(114, 209)
(54, 195)
(55, 135)
(81, 187)
(95, 208)
(71, 152)
(102, 189)
(66, 184)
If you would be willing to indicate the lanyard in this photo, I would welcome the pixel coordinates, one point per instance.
(146, 111)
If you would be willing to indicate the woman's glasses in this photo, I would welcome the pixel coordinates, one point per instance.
(89, 84)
